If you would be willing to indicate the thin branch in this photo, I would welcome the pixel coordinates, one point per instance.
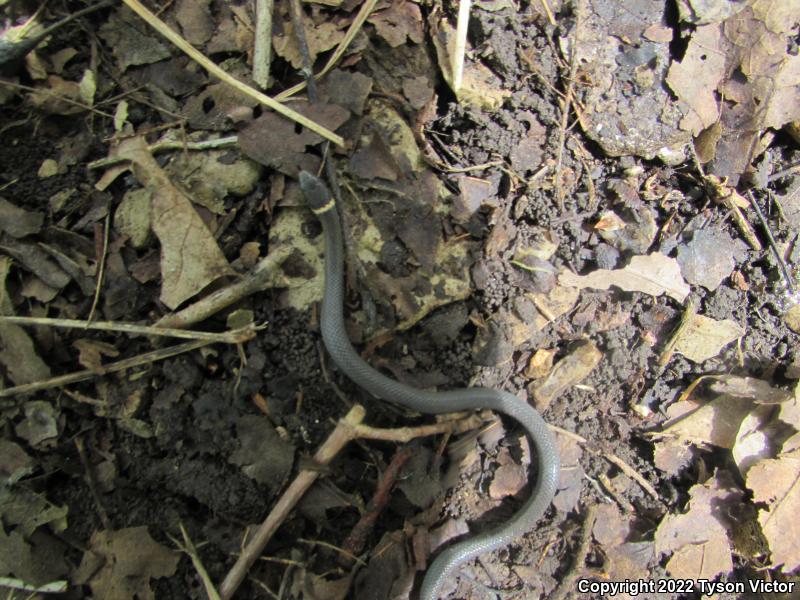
(337, 440)
(164, 146)
(349, 428)
(188, 547)
(236, 336)
(226, 77)
(613, 459)
(771, 242)
(122, 365)
(567, 585)
(263, 276)
(262, 45)
(102, 270)
(364, 12)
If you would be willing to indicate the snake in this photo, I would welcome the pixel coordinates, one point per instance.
(344, 355)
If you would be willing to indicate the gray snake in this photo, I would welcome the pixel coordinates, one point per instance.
(348, 360)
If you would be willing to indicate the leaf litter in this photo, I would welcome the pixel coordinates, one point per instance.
(414, 229)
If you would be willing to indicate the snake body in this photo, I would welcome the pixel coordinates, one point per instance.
(348, 360)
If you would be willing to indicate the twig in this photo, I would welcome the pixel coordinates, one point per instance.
(262, 45)
(576, 568)
(35, 90)
(188, 547)
(771, 242)
(337, 440)
(236, 336)
(347, 429)
(613, 459)
(263, 276)
(364, 12)
(122, 365)
(167, 145)
(226, 77)
(357, 539)
(102, 269)
(406, 434)
(92, 483)
(296, 14)
(54, 587)
(566, 102)
(494, 163)
(462, 24)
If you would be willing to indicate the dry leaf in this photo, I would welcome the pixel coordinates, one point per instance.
(713, 423)
(91, 352)
(698, 538)
(695, 79)
(571, 369)
(776, 482)
(190, 256)
(654, 274)
(119, 564)
(704, 337)
(17, 353)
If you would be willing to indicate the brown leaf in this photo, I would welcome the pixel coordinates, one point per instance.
(17, 352)
(698, 538)
(190, 256)
(18, 222)
(695, 79)
(273, 140)
(776, 482)
(654, 274)
(120, 564)
(401, 21)
(571, 369)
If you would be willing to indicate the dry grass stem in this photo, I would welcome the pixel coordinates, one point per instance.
(461, 44)
(236, 336)
(225, 77)
(115, 367)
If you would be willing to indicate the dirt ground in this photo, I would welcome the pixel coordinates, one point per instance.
(560, 228)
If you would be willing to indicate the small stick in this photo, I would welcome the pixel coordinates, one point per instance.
(404, 435)
(612, 458)
(92, 483)
(355, 542)
(567, 585)
(167, 145)
(226, 77)
(262, 46)
(771, 241)
(364, 12)
(122, 365)
(548, 12)
(188, 547)
(236, 336)
(102, 270)
(337, 440)
(347, 429)
(566, 102)
(264, 275)
(302, 44)
(54, 587)
(461, 44)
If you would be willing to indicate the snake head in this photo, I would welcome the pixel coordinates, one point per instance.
(317, 196)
